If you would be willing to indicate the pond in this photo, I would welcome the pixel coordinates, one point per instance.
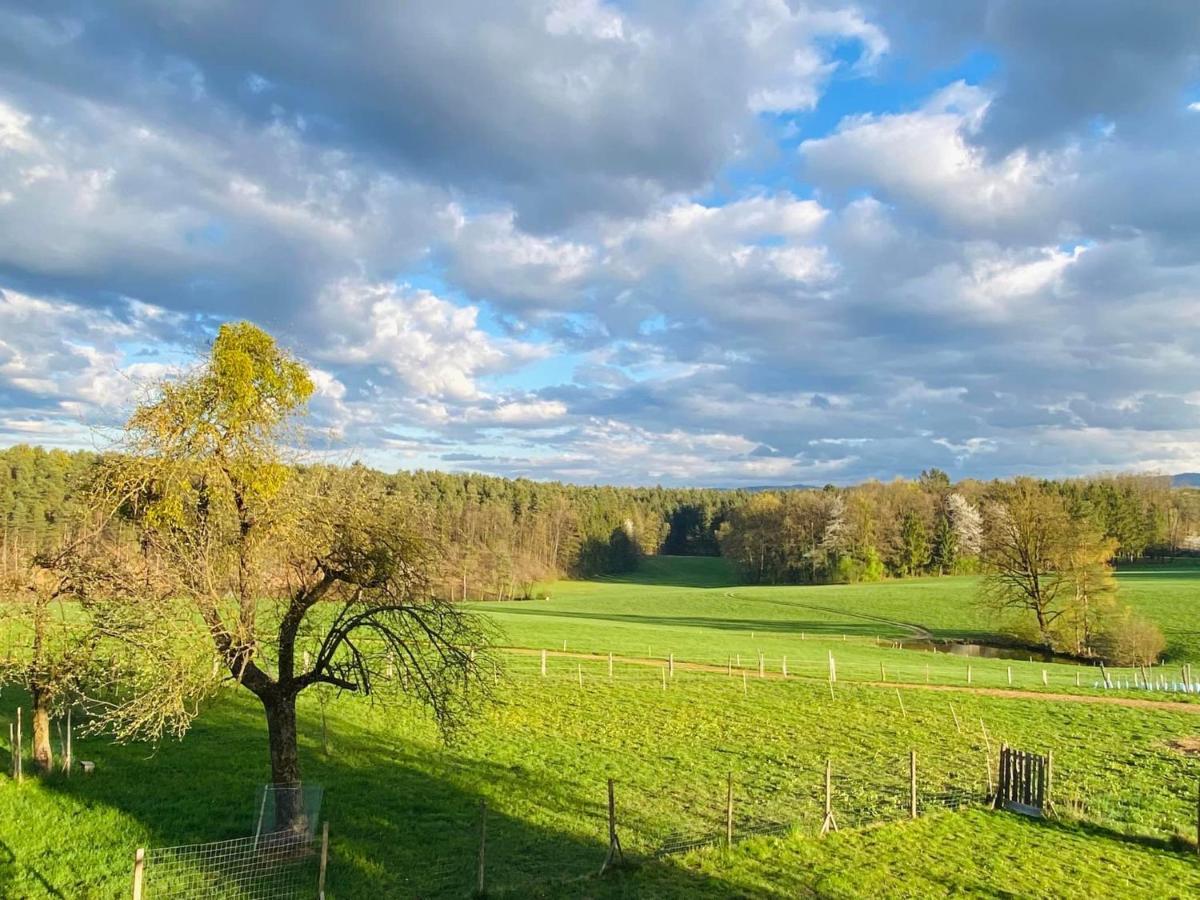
(988, 651)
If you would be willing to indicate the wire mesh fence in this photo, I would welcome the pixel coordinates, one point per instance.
(282, 860)
(279, 866)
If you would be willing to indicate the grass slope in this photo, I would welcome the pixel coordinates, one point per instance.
(403, 806)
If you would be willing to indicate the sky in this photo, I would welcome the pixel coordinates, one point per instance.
(709, 242)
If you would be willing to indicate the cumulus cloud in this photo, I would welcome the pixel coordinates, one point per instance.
(688, 242)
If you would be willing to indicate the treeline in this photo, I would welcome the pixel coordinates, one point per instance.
(932, 527)
(496, 537)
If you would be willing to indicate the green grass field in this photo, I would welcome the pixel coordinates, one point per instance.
(403, 807)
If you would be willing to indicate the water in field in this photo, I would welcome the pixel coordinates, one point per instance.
(986, 651)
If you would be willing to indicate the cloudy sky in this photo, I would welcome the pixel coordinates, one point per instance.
(709, 242)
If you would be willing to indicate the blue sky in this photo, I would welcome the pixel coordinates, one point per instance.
(721, 242)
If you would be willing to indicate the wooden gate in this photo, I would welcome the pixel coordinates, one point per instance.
(1024, 783)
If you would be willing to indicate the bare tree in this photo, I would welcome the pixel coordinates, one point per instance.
(1023, 551)
(245, 569)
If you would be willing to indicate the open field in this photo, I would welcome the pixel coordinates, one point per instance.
(404, 809)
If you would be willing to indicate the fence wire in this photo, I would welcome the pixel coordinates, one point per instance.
(280, 866)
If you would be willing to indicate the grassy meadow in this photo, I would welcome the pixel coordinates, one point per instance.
(404, 807)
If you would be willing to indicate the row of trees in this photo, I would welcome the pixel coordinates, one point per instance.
(932, 527)
(497, 536)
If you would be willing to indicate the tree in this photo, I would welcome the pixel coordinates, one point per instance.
(945, 545)
(282, 580)
(967, 524)
(54, 649)
(1086, 564)
(1023, 550)
(914, 543)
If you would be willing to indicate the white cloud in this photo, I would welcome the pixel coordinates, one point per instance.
(926, 160)
(429, 345)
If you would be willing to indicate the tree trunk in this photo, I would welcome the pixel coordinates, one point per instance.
(285, 763)
(43, 753)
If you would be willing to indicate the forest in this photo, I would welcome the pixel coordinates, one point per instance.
(496, 537)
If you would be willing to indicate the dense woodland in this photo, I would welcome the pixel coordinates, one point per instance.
(497, 537)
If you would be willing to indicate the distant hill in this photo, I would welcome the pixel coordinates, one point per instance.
(788, 487)
(1186, 479)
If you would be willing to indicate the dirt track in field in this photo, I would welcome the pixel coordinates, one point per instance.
(1002, 693)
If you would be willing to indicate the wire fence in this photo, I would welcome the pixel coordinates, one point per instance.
(663, 821)
(283, 859)
(280, 866)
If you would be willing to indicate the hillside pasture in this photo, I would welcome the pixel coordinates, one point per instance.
(404, 807)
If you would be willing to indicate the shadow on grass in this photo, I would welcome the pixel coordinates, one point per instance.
(678, 571)
(404, 815)
(764, 626)
(1164, 843)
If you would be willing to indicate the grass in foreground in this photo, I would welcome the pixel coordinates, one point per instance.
(404, 809)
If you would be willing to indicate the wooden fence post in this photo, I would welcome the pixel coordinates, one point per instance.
(481, 869)
(325, 860)
(912, 784)
(968, 674)
(986, 740)
(671, 664)
(68, 752)
(1045, 682)
(1049, 801)
(729, 813)
(610, 658)
(1010, 676)
(829, 824)
(762, 666)
(882, 672)
(139, 867)
(20, 747)
(543, 662)
(785, 667)
(1001, 777)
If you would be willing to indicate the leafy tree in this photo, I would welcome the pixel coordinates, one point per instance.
(944, 552)
(282, 580)
(52, 650)
(914, 544)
